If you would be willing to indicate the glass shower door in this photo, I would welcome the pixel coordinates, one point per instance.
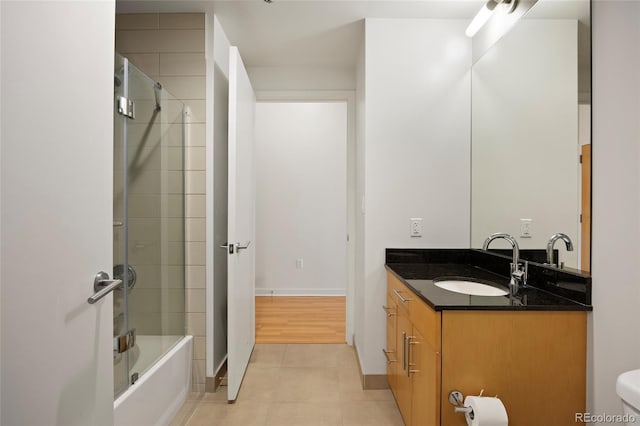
(120, 360)
(149, 239)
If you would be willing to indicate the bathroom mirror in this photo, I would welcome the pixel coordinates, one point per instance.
(531, 96)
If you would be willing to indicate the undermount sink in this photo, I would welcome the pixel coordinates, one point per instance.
(472, 288)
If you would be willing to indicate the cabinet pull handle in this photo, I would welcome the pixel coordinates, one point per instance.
(404, 350)
(387, 309)
(409, 363)
(402, 299)
(386, 355)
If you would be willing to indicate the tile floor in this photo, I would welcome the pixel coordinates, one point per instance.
(296, 385)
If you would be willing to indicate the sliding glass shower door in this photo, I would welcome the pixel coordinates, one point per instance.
(149, 223)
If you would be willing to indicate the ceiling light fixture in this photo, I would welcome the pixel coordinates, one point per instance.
(485, 13)
(268, 1)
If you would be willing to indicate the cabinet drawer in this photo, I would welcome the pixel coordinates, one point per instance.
(427, 321)
(421, 315)
(400, 293)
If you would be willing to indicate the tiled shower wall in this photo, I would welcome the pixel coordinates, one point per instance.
(170, 48)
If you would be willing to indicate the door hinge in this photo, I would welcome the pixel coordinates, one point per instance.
(580, 217)
(580, 158)
(124, 342)
(126, 107)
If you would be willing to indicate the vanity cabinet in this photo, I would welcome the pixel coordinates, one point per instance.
(415, 371)
(535, 361)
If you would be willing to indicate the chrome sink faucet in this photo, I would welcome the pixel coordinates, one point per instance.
(518, 271)
(552, 242)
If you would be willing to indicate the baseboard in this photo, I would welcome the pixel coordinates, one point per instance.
(370, 381)
(301, 292)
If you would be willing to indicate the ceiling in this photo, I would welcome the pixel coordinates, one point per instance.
(318, 32)
(303, 32)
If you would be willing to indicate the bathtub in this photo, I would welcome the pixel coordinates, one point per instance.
(160, 392)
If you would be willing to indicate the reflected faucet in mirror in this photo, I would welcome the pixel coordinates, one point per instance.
(552, 242)
(518, 271)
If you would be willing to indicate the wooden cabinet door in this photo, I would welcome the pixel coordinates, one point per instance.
(424, 369)
(402, 377)
(391, 308)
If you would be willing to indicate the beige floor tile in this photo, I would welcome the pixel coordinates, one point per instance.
(185, 413)
(268, 356)
(318, 355)
(219, 396)
(367, 395)
(308, 385)
(238, 414)
(371, 413)
(350, 388)
(295, 385)
(304, 414)
(259, 384)
(349, 380)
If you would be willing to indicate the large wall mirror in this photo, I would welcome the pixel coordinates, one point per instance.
(531, 113)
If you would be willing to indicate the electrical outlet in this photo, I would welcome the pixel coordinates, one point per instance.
(299, 264)
(416, 227)
(526, 226)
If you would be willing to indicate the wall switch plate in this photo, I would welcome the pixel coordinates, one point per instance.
(416, 227)
(526, 226)
(299, 264)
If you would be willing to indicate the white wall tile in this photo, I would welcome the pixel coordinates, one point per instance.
(182, 21)
(195, 182)
(137, 21)
(199, 347)
(196, 299)
(196, 229)
(185, 87)
(148, 63)
(195, 324)
(137, 41)
(195, 253)
(197, 113)
(196, 158)
(182, 64)
(196, 133)
(198, 370)
(195, 276)
(196, 205)
(181, 41)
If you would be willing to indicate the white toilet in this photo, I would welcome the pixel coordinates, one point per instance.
(628, 389)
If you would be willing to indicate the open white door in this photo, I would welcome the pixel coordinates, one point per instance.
(56, 216)
(241, 224)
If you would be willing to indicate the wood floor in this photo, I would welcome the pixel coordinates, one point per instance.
(284, 319)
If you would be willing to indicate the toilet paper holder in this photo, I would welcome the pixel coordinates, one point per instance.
(457, 400)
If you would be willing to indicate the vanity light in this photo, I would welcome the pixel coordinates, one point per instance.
(485, 13)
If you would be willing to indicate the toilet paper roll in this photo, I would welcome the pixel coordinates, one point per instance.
(487, 411)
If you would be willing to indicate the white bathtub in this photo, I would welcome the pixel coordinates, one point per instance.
(156, 397)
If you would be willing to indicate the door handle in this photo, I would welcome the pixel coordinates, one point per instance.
(102, 286)
(243, 246)
(228, 247)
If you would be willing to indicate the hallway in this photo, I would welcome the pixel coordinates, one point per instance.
(296, 385)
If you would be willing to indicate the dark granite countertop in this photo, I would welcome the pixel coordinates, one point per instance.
(419, 277)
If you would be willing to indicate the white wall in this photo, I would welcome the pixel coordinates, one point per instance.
(615, 337)
(302, 78)
(417, 159)
(525, 136)
(301, 210)
(358, 285)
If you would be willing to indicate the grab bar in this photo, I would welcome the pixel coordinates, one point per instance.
(102, 285)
